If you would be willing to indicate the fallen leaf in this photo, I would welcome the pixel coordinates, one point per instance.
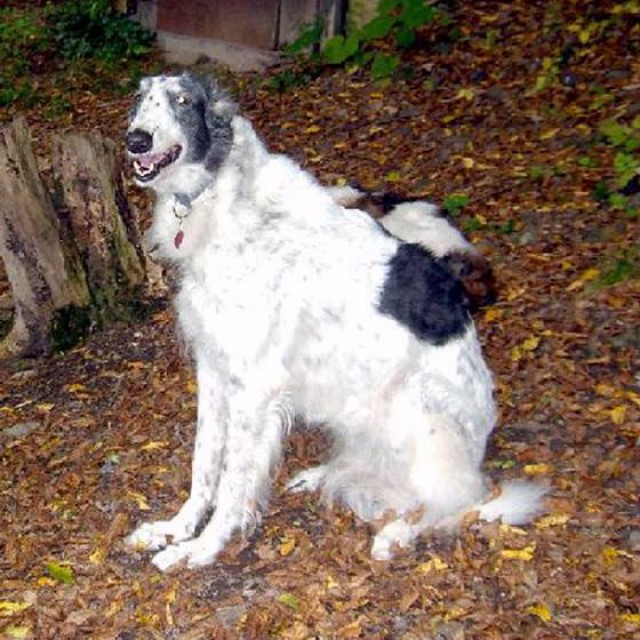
(8, 608)
(59, 572)
(541, 611)
(525, 554)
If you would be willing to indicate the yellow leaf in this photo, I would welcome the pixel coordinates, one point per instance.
(98, 556)
(618, 414)
(192, 386)
(8, 608)
(466, 94)
(393, 176)
(16, 632)
(143, 505)
(454, 613)
(526, 553)
(76, 387)
(45, 581)
(552, 520)
(331, 583)
(633, 618)
(153, 445)
(531, 343)
(45, 407)
(314, 128)
(434, 564)
(584, 35)
(609, 554)
(115, 607)
(481, 219)
(540, 611)
(511, 530)
(588, 276)
(468, 163)
(171, 595)
(492, 314)
(287, 545)
(549, 133)
(537, 469)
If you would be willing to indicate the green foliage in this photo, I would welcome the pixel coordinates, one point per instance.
(393, 27)
(69, 40)
(22, 38)
(61, 573)
(309, 38)
(94, 29)
(454, 202)
(625, 138)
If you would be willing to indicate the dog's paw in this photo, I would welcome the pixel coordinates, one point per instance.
(193, 552)
(396, 534)
(156, 535)
(150, 535)
(307, 480)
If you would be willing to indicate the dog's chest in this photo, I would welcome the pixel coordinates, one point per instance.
(231, 298)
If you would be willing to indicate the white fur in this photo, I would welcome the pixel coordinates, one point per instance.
(413, 221)
(278, 303)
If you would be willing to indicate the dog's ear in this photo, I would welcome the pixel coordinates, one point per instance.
(219, 112)
(220, 104)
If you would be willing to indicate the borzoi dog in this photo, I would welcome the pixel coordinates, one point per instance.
(292, 306)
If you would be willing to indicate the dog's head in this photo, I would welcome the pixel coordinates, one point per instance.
(178, 123)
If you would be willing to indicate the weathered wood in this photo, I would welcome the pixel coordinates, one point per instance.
(44, 274)
(89, 190)
(72, 261)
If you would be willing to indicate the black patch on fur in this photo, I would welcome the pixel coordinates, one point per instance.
(423, 295)
(210, 134)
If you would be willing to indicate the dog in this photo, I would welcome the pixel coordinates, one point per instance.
(293, 306)
(420, 221)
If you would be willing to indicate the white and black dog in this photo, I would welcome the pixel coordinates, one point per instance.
(292, 306)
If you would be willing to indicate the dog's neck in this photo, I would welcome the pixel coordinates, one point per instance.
(182, 206)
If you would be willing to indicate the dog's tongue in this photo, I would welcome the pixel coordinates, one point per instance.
(147, 161)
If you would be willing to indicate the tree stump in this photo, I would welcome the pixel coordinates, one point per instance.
(73, 260)
(89, 191)
(44, 273)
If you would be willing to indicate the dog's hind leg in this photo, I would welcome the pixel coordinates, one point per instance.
(253, 445)
(445, 476)
(209, 445)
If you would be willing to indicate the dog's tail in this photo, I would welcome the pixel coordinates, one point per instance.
(423, 223)
(518, 503)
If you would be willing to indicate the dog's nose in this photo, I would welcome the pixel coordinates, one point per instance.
(139, 141)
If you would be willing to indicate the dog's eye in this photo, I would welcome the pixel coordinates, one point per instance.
(183, 98)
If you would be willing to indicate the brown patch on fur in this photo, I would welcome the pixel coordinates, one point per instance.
(476, 275)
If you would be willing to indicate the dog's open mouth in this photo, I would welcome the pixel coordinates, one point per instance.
(147, 166)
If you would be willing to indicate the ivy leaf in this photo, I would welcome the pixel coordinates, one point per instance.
(378, 28)
(339, 49)
(416, 14)
(384, 65)
(405, 37)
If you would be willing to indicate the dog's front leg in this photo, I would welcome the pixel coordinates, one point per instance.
(205, 473)
(253, 445)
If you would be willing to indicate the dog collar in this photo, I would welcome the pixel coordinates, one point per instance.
(182, 206)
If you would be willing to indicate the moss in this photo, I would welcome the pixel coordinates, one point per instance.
(70, 325)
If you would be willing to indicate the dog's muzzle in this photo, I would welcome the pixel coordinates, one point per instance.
(148, 165)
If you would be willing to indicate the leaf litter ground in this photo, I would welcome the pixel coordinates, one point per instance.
(99, 438)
